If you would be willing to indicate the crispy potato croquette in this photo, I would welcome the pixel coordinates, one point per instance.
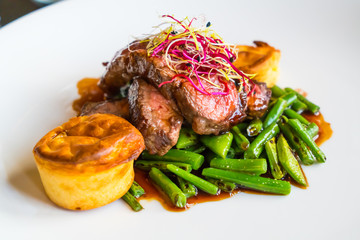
(88, 161)
(262, 60)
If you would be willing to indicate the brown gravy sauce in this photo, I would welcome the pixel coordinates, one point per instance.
(325, 131)
(89, 91)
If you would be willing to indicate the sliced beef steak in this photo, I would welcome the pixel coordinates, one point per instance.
(258, 101)
(153, 115)
(119, 108)
(134, 62)
(208, 114)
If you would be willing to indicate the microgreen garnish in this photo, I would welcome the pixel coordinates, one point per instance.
(198, 54)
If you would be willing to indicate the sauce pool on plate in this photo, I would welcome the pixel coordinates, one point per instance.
(325, 131)
(89, 92)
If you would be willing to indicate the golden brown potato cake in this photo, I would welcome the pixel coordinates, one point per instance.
(262, 60)
(88, 161)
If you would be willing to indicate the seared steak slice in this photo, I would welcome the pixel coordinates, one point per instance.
(154, 117)
(119, 108)
(134, 62)
(258, 101)
(208, 114)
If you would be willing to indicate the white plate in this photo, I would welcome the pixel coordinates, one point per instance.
(43, 55)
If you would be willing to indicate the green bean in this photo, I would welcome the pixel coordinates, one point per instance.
(136, 190)
(292, 114)
(290, 98)
(175, 155)
(311, 106)
(175, 194)
(250, 181)
(196, 148)
(241, 141)
(252, 166)
(218, 144)
(277, 92)
(257, 145)
(301, 132)
(242, 126)
(254, 127)
(312, 129)
(132, 202)
(198, 182)
(187, 188)
(297, 104)
(297, 144)
(275, 112)
(271, 151)
(289, 162)
(223, 185)
(231, 154)
(187, 138)
(161, 165)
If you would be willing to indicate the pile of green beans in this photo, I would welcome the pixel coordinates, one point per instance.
(256, 154)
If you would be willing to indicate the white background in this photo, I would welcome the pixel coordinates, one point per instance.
(43, 55)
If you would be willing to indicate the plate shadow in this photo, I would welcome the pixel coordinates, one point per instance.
(27, 181)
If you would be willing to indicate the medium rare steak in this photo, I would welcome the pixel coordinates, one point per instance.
(119, 108)
(208, 114)
(154, 117)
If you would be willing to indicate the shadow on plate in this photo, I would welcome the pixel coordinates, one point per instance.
(27, 181)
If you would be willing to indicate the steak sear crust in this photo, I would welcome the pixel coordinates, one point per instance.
(153, 115)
